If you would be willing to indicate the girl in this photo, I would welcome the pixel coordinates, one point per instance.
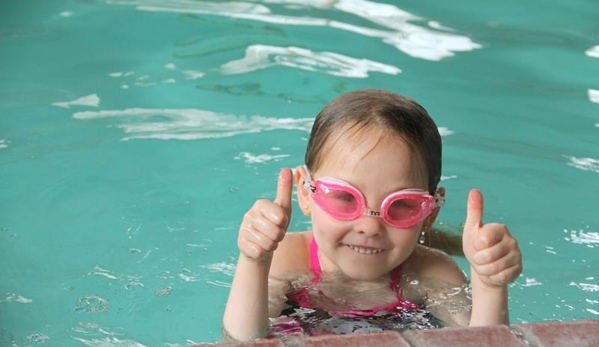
(370, 187)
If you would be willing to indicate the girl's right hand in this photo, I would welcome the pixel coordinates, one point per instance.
(266, 223)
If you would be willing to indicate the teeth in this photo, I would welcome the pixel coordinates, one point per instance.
(365, 250)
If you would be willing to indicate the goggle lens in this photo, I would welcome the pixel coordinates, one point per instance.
(337, 201)
(404, 209)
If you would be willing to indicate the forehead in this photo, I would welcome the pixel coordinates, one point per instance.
(365, 155)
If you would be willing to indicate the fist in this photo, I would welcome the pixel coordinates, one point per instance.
(266, 223)
(491, 250)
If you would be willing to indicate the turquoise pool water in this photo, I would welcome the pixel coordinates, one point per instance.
(135, 134)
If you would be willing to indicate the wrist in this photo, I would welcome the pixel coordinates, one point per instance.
(485, 286)
(266, 259)
(263, 261)
(489, 302)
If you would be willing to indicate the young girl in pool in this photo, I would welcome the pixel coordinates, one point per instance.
(370, 187)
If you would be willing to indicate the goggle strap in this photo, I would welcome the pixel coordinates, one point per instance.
(439, 200)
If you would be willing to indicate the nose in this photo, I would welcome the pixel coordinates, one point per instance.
(371, 224)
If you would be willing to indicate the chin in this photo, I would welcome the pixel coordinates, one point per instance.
(365, 275)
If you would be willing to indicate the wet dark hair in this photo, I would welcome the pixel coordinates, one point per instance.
(373, 109)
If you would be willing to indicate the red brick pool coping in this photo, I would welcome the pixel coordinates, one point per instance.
(583, 333)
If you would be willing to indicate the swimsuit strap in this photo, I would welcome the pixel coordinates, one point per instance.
(395, 279)
(303, 298)
(317, 271)
(314, 261)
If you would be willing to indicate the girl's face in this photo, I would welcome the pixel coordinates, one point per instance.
(367, 248)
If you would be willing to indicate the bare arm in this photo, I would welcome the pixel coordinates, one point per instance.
(489, 303)
(443, 286)
(263, 227)
(495, 260)
(246, 313)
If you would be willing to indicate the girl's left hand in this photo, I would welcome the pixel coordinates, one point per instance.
(491, 250)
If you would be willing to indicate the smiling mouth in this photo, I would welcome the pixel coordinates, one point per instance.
(365, 250)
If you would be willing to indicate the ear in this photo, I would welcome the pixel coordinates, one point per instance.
(428, 222)
(303, 195)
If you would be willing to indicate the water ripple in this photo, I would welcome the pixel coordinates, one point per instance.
(584, 164)
(413, 40)
(583, 238)
(109, 342)
(91, 304)
(586, 287)
(259, 57)
(16, 298)
(594, 95)
(251, 158)
(91, 100)
(192, 124)
(225, 268)
(593, 52)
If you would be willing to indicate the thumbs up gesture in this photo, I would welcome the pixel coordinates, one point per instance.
(266, 223)
(491, 250)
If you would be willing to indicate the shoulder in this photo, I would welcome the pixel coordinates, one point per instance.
(432, 263)
(292, 254)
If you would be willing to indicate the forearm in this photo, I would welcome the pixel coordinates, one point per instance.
(489, 303)
(246, 313)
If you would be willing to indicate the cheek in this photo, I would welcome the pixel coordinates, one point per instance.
(323, 223)
(406, 237)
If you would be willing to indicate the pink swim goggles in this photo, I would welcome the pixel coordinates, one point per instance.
(401, 209)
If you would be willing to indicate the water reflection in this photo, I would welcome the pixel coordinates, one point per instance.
(259, 57)
(339, 305)
(593, 52)
(192, 124)
(432, 42)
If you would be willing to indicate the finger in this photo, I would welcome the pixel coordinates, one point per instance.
(490, 269)
(506, 276)
(490, 254)
(253, 234)
(474, 210)
(249, 249)
(252, 250)
(489, 235)
(284, 190)
(267, 229)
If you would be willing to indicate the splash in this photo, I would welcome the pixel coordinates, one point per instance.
(191, 124)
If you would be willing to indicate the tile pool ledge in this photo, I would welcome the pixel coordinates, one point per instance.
(583, 333)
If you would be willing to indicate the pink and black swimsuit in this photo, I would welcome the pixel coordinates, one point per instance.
(302, 298)
(303, 317)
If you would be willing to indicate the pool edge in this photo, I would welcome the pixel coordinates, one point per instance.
(581, 333)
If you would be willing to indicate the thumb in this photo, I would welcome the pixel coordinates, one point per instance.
(474, 211)
(284, 190)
